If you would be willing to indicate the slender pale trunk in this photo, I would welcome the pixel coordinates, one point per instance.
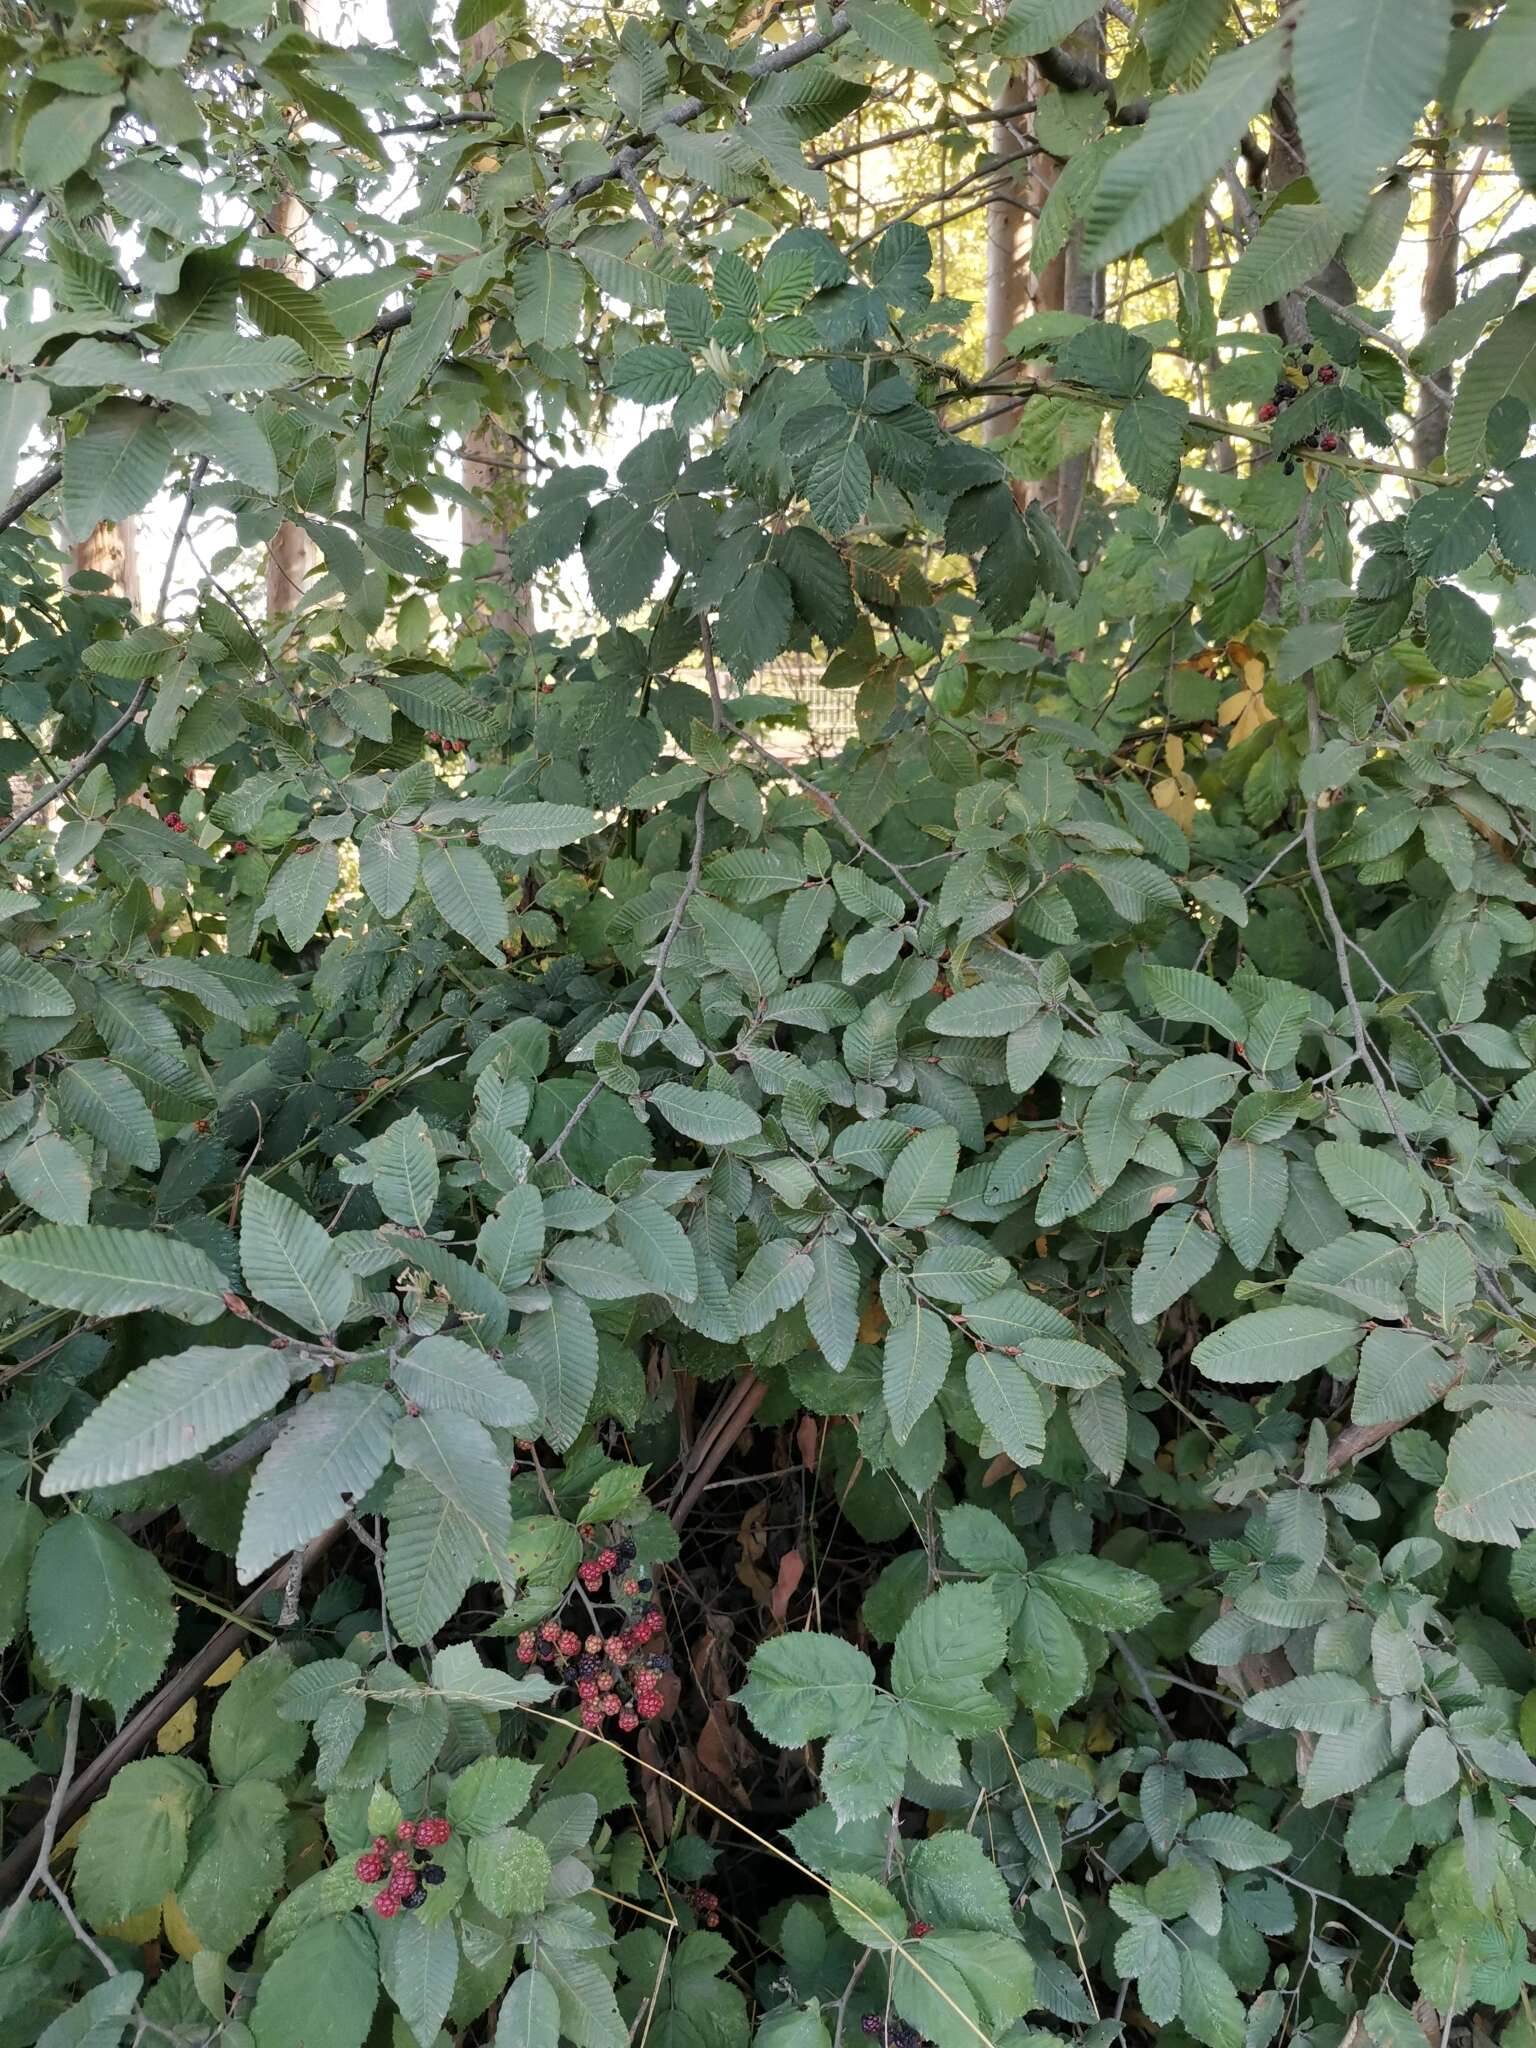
(1012, 287)
(1436, 298)
(1007, 247)
(112, 551)
(1016, 288)
(291, 554)
(495, 465)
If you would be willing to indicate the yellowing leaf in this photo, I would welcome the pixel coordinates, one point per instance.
(1176, 795)
(232, 1666)
(176, 1733)
(177, 1931)
(137, 1929)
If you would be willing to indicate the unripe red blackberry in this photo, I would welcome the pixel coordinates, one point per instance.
(406, 1832)
(918, 1929)
(1327, 374)
(1267, 411)
(369, 1869)
(1328, 443)
(386, 1906)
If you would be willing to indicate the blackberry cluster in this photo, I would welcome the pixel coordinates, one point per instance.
(175, 822)
(435, 739)
(892, 2033)
(406, 1871)
(1299, 373)
(617, 1676)
(705, 1904)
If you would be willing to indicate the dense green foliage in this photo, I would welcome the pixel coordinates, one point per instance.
(458, 1081)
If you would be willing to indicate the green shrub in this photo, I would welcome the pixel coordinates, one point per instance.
(1063, 1163)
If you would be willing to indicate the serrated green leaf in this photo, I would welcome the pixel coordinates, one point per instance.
(709, 1116)
(405, 1172)
(914, 1366)
(1176, 1254)
(327, 1457)
(169, 1410)
(557, 1356)
(1187, 139)
(1274, 1344)
(1292, 245)
(289, 1262)
(804, 1686)
(99, 1271)
(921, 1177)
(446, 1373)
(468, 896)
(1489, 1494)
(101, 1611)
(103, 1101)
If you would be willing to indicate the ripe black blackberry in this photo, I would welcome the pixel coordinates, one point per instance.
(415, 1899)
(433, 1874)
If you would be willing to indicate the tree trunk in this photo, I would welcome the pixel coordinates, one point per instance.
(1436, 298)
(1287, 162)
(112, 551)
(495, 467)
(291, 554)
(1015, 289)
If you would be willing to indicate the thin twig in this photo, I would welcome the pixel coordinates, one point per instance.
(72, 1800)
(29, 494)
(1363, 1047)
(61, 1900)
(84, 763)
(50, 1822)
(663, 952)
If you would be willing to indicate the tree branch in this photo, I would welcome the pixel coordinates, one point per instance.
(44, 1835)
(84, 763)
(69, 1801)
(1076, 74)
(29, 494)
(652, 987)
